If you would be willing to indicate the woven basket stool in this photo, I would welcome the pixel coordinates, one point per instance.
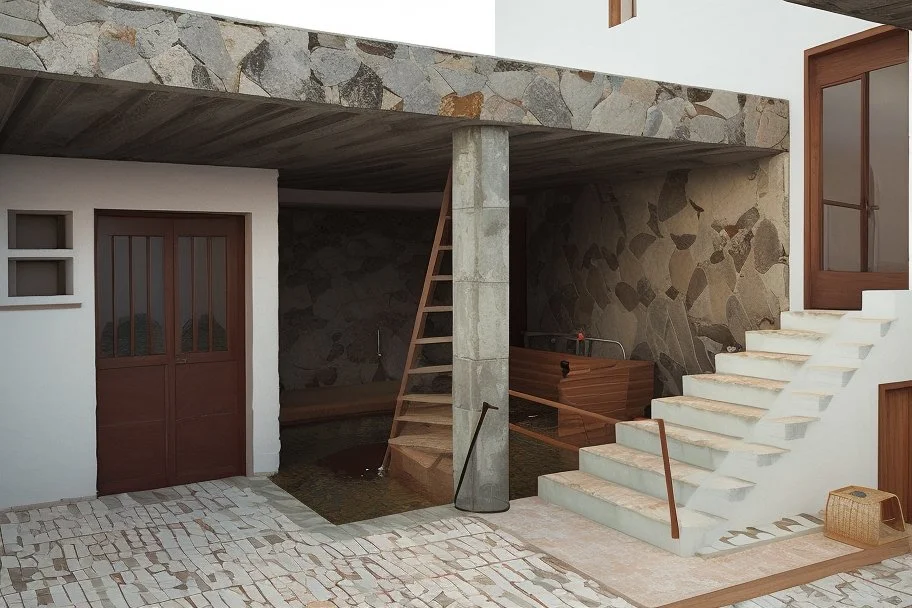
(863, 517)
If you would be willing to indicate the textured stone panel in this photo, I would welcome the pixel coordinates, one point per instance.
(96, 38)
(673, 297)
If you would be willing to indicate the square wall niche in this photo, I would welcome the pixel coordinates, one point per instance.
(39, 258)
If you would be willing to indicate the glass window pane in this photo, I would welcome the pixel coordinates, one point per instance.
(201, 290)
(122, 295)
(841, 238)
(105, 301)
(841, 154)
(157, 288)
(219, 293)
(888, 174)
(185, 292)
(140, 297)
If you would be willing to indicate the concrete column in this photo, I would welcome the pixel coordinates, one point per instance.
(481, 319)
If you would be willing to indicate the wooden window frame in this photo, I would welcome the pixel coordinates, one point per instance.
(615, 13)
(834, 63)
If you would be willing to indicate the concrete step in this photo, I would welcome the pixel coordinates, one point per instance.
(626, 510)
(788, 341)
(728, 418)
(831, 375)
(810, 401)
(645, 472)
(714, 416)
(741, 390)
(851, 351)
(823, 321)
(759, 364)
(867, 329)
(694, 446)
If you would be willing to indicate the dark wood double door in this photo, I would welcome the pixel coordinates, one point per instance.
(169, 350)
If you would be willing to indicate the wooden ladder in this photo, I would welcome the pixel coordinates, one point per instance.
(421, 439)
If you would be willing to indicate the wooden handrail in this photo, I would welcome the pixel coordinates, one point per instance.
(669, 483)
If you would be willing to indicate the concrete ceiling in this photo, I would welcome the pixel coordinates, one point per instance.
(314, 146)
(889, 12)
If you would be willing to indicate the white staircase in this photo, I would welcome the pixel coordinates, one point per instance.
(735, 438)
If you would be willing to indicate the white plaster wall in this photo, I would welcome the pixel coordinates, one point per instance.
(749, 46)
(47, 357)
(467, 27)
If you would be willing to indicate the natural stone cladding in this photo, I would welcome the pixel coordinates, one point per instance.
(344, 274)
(676, 267)
(139, 44)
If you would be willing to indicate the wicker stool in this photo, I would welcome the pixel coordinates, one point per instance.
(863, 517)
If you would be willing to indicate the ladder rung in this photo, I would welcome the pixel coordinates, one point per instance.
(431, 369)
(442, 277)
(445, 248)
(434, 340)
(437, 309)
(444, 398)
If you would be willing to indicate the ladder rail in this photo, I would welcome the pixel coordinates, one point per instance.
(421, 316)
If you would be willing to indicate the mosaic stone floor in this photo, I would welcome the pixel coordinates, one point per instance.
(245, 542)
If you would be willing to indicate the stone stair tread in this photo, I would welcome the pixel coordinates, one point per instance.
(722, 443)
(742, 381)
(433, 442)
(768, 356)
(720, 407)
(443, 398)
(794, 419)
(626, 498)
(680, 471)
(438, 415)
(813, 393)
(835, 368)
(790, 333)
(835, 313)
(431, 369)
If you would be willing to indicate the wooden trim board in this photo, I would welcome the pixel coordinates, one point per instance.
(792, 578)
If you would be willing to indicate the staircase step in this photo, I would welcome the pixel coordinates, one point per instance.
(831, 375)
(742, 390)
(442, 277)
(437, 415)
(694, 446)
(789, 341)
(431, 369)
(626, 510)
(435, 340)
(811, 401)
(707, 414)
(823, 321)
(645, 472)
(854, 351)
(427, 460)
(760, 364)
(441, 398)
(437, 309)
(438, 443)
(868, 328)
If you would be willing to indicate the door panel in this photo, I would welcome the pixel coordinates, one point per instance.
(170, 367)
(857, 168)
(894, 468)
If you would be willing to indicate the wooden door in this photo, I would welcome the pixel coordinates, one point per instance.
(894, 463)
(857, 170)
(169, 350)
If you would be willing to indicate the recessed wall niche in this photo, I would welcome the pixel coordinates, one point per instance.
(39, 254)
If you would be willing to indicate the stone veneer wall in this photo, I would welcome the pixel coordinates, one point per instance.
(676, 267)
(342, 275)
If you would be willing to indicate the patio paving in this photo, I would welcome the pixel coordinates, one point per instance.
(245, 542)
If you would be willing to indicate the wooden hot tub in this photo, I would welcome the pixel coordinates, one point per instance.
(612, 389)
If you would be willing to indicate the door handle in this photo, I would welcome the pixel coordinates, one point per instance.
(182, 358)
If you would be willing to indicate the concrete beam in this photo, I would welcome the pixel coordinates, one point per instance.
(481, 293)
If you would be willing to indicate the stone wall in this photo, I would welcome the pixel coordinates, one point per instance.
(677, 267)
(342, 275)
